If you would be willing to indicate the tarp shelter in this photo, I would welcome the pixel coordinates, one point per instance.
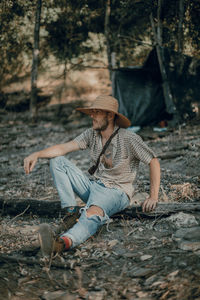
(139, 89)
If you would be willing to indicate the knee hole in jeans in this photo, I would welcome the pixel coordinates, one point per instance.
(94, 210)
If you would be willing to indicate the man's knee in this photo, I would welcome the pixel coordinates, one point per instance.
(54, 162)
(94, 210)
(57, 161)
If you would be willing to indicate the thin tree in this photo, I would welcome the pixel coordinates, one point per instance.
(34, 71)
(180, 36)
(170, 107)
(107, 35)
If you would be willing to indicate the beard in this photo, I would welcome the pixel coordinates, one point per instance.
(103, 126)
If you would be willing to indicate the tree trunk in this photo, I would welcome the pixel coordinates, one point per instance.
(62, 88)
(159, 27)
(34, 71)
(180, 36)
(170, 107)
(180, 26)
(107, 36)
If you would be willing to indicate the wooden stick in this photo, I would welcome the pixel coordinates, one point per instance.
(21, 214)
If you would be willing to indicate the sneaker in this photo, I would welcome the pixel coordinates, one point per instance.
(58, 246)
(48, 243)
(46, 239)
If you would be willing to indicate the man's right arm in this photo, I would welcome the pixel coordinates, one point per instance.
(53, 151)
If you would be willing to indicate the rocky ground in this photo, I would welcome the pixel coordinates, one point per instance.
(139, 258)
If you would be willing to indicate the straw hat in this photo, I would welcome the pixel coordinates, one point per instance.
(110, 104)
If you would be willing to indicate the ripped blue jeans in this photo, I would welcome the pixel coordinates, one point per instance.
(68, 180)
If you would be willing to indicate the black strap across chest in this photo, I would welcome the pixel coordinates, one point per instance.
(92, 170)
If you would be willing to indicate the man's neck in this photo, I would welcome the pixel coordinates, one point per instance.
(107, 133)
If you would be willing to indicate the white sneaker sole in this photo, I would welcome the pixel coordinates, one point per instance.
(46, 239)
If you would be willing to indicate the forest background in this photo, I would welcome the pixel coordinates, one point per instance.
(65, 50)
(55, 55)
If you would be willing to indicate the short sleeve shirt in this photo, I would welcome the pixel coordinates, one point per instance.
(119, 165)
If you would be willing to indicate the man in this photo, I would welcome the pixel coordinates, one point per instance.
(111, 187)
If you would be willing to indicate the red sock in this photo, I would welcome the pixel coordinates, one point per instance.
(67, 242)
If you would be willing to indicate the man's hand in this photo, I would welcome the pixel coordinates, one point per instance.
(149, 204)
(29, 162)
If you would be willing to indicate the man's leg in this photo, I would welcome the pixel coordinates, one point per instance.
(88, 224)
(68, 180)
(102, 203)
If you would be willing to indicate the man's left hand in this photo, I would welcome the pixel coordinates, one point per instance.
(149, 204)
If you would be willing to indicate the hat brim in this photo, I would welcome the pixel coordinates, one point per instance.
(121, 120)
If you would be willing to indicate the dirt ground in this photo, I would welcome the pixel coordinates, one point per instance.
(139, 258)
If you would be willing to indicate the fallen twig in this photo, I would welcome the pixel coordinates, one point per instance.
(33, 261)
(21, 214)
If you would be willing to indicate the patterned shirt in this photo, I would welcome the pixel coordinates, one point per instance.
(119, 165)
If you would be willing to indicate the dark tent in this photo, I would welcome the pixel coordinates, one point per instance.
(140, 94)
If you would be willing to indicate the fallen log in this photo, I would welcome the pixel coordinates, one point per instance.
(53, 208)
(171, 154)
(35, 207)
(163, 209)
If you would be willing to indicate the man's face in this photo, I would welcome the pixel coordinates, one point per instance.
(100, 119)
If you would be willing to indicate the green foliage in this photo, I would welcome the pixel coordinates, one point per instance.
(193, 24)
(70, 29)
(13, 42)
(66, 34)
(129, 24)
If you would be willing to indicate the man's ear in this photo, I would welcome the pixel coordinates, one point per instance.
(111, 115)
